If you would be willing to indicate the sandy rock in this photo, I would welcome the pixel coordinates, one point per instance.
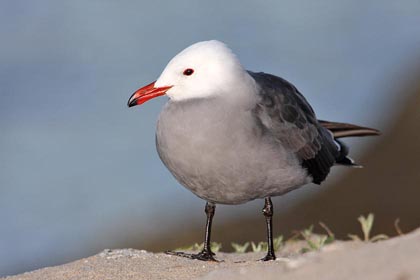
(394, 259)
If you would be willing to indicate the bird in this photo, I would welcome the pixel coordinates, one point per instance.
(230, 135)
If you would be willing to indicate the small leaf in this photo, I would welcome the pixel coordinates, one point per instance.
(366, 223)
(327, 230)
(322, 240)
(255, 248)
(397, 227)
(329, 240)
(379, 237)
(277, 242)
(215, 247)
(186, 248)
(240, 248)
(308, 232)
(354, 237)
(312, 245)
(260, 247)
(307, 235)
(198, 247)
(305, 250)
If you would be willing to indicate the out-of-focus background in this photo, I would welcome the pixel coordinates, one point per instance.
(79, 172)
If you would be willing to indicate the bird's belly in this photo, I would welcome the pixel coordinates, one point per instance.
(227, 163)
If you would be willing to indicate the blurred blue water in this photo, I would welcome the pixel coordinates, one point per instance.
(79, 170)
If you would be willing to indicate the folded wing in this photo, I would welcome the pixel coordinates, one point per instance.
(285, 113)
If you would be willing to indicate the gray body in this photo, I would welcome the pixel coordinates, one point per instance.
(229, 153)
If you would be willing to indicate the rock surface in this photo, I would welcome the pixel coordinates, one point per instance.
(394, 259)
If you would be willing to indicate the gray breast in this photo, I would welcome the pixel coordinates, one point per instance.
(218, 151)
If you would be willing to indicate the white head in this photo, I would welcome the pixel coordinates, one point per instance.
(204, 69)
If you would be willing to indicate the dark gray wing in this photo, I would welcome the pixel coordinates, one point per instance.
(285, 113)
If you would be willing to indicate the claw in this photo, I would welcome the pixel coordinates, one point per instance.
(202, 256)
(268, 257)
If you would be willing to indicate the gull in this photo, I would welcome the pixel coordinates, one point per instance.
(230, 135)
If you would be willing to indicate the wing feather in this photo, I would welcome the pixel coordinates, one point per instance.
(285, 113)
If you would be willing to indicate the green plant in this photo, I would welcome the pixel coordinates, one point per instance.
(331, 236)
(215, 247)
(316, 241)
(277, 242)
(366, 224)
(259, 247)
(240, 248)
(262, 246)
(397, 227)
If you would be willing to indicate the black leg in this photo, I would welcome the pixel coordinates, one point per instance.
(210, 209)
(206, 254)
(268, 213)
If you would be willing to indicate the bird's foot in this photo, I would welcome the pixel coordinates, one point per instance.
(269, 257)
(202, 256)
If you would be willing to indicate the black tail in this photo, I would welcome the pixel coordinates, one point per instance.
(340, 130)
(343, 158)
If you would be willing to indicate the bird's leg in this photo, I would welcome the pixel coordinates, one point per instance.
(210, 209)
(206, 254)
(268, 213)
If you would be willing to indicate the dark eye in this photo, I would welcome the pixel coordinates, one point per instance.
(188, 72)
